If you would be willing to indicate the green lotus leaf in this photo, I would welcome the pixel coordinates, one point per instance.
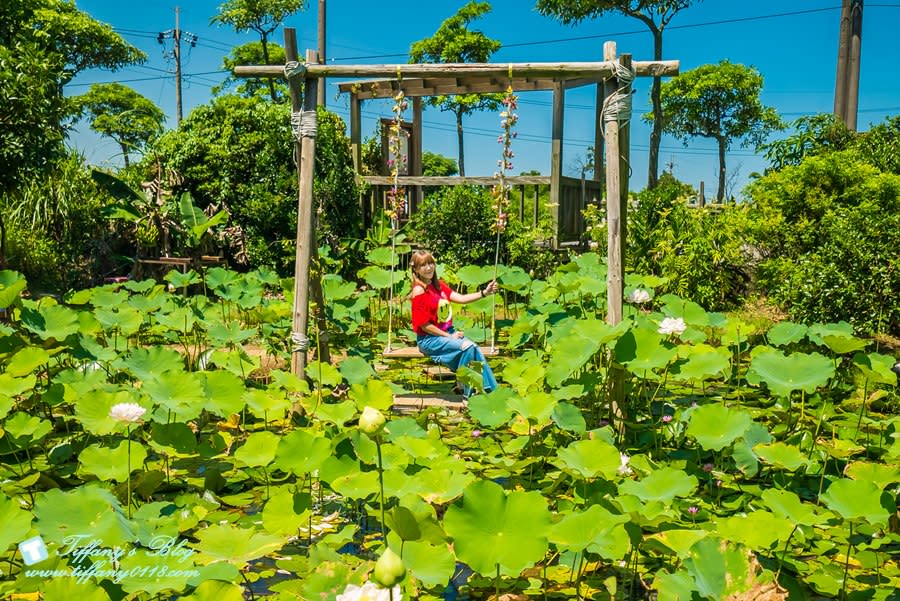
(258, 450)
(111, 463)
(182, 393)
(742, 450)
(818, 331)
(758, 530)
(421, 448)
(487, 528)
(374, 393)
(571, 353)
(175, 439)
(88, 510)
(840, 448)
(875, 368)
(515, 278)
(179, 279)
(93, 350)
(703, 364)
(568, 417)
(237, 362)
(678, 541)
(345, 476)
(856, 499)
(475, 275)
(787, 505)
(24, 430)
(691, 312)
(642, 350)
(302, 452)
(288, 382)
(786, 332)
(216, 590)
(442, 485)
(378, 278)
(720, 569)
(661, 485)
(735, 331)
(356, 370)
(784, 374)
(12, 283)
(235, 545)
(324, 374)
(147, 363)
(535, 406)
(432, 564)
(491, 409)
(15, 386)
(49, 321)
(16, 523)
(124, 319)
(219, 279)
(26, 360)
(66, 589)
(224, 393)
(590, 458)
(222, 335)
(176, 318)
(335, 288)
(336, 413)
(781, 455)
(674, 587)
(266, 403)
(716, 426)
(92, 409)
(580, 530)
(842, 345)
(286, 511)
(878, 474)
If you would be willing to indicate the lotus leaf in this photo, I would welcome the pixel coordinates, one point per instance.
(691, 312)
(182, 393)
(176, 318)
(15, 386)
(335, 288)
(720, 569)
(716, 426)
(818, 331)
(678, 541)
(568, 417)
(356, 370)
(94, 351)
(147, 363)
(786, 332)
(111, 463)
(781, 455)
(174, 571)
(336, 413)
(123, 319)
(87, 510)
(345, 476)
(374, 393)
(784, 374)
(378, 278)
(742, 450)
(674, 587)
(441, 485)
(266, 403)
(535, 406)
(580, 530)
(12, 283)
(733, 331)
(66, 589)
(92, 409)
(421, 448)
(258, 450)
(429, 563)
(703, 364)
(758, 530)
(491, 409)
(642, 350)
(49, 321)
(25, 361)
(215, 590)
(324, 374)
(16, 523)
(403, 523)
(515, 278)
(487, 528)
(875, 368)
(661, 485)
(222, 335)
(223, 393)
(179, 279)
(879, 475)
(856, 499)
(24, 429)
(475, 275)
(302, 452)
(286, 511)
(786, 504)
(842, 345)
(237, 546)
(590, 458)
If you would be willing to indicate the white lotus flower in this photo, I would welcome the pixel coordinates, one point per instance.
(127, 413)
(369, 592)
(639, 297)
(672, 325)
(624, 470)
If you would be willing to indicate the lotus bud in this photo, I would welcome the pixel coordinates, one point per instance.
(389, 569)
(371, 421)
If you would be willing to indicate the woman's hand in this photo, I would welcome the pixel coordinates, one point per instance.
(491, 288)
(457, 334)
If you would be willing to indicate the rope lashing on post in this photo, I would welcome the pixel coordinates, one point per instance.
(304, 124)
(617, 106)
(294, 69)
(300, 342)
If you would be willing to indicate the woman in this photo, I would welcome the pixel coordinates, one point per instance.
(432, 320)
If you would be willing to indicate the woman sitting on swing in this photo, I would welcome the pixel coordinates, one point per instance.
(432, 320)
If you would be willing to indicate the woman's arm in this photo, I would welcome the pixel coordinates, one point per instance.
(463, 299)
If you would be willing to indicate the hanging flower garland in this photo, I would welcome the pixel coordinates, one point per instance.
(397, 160)
(500, 191)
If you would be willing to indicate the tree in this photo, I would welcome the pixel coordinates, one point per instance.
(719, 102)
(656, 15)
(437, 164)
(813, 135)
(252, 54)
(118, 112)
(261, 16)
(454, 42)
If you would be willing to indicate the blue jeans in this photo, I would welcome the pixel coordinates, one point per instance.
(448, 350)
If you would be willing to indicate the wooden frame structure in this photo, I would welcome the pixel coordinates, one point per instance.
(419, 80)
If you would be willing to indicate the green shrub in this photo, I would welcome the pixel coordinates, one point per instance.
(455, 224)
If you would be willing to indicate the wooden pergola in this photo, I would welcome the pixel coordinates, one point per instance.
(612, 76)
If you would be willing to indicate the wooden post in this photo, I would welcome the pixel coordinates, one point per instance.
(840, 83)
(852, 91)
(305, 149)
(701, 200)
(320, 95)
(415, 155)
(598, 135)
(536, 213)
(356, 153)
(556, 158)
(522, 203)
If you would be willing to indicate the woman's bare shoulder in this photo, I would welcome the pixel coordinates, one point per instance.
(417, 290)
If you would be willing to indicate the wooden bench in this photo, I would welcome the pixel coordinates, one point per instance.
(413, 352)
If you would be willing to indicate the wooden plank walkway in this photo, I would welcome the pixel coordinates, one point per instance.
(413, 352)
(410, 403)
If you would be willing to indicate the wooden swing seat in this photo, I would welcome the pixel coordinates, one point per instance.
(413, 352)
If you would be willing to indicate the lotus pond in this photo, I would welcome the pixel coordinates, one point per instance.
(745, 461)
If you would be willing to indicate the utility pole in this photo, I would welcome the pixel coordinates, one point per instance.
(177, 35)
(320, 100)
(846, 87)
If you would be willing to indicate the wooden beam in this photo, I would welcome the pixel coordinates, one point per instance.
(415, 155)
(453, 180)
(556, 157)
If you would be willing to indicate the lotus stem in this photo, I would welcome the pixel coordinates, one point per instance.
(128, 475)
(847, 562)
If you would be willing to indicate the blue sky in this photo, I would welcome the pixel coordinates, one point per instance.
(793, 43)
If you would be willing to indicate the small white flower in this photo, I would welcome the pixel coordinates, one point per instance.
(369, 592)
(624, 470)
(672, 325)
(593, 244)
(639, 297)
(127, 413)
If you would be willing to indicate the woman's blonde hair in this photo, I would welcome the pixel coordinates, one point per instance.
(419, 258)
